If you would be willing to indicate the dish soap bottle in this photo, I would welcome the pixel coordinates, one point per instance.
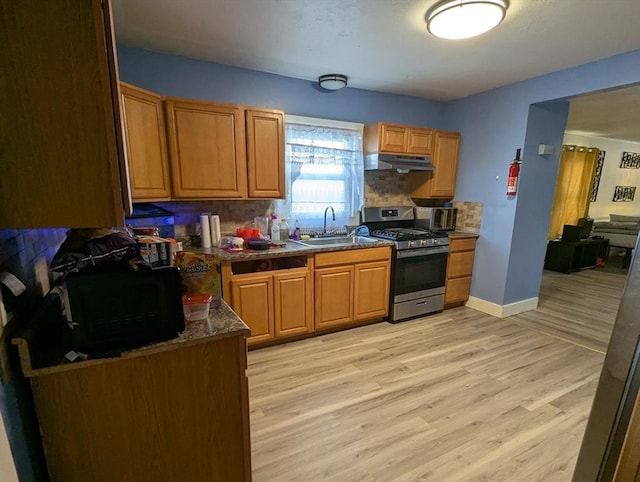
(284, 229)
(297, 234)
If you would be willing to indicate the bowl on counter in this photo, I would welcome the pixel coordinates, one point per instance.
(258, 243)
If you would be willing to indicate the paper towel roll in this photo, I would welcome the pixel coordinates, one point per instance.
(214, 224)
(205, 230)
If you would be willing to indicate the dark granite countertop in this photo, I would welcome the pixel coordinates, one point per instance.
(290, 249)
(463, 234)
(222, 322)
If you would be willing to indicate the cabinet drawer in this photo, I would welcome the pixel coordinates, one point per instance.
(464, 244)
(457, 289)
(460, 264)
(352, 256)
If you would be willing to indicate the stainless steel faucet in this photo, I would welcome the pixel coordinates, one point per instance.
(324, 229)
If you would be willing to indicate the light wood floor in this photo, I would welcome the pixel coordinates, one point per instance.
(457, 396)
(580, 307)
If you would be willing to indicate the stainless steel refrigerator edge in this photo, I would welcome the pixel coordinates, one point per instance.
(617, 389)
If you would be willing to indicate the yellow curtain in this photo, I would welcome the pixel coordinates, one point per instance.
(573, 187)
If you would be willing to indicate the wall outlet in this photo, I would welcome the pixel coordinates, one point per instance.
(41, 271)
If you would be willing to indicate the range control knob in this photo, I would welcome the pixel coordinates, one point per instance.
(436, 242)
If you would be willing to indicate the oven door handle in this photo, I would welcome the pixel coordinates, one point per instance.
(412, 253)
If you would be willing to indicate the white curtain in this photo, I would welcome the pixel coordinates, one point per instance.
(324, 167)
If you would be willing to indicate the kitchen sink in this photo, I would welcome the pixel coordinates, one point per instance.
(336, 240)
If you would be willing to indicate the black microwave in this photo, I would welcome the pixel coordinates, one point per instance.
(112, 311)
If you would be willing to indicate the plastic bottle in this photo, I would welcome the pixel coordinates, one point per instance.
(297, 234)
(275, 230)
(284, 229)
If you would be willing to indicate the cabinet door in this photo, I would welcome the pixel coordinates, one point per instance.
(445, 162)
(419, 141)
(207, 149)
(265, 153)
(460, 264)
(459, 269)
(333, 296)
(371, 290)
(293, 302)
(457, 290)
(145, 136)
(393, 138)
(441, 182)
(61, 146)
(252, 300)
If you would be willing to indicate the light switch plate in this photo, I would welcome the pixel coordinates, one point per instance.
(545, 149)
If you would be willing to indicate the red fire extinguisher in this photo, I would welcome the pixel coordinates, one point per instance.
(514, 171)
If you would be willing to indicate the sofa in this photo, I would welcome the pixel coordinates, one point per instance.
(621, 230)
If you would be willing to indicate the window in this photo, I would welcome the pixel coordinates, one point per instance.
(324, 167)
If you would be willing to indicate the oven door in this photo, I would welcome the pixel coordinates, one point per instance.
(419, 272)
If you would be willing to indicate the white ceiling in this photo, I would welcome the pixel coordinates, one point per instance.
(383, 45)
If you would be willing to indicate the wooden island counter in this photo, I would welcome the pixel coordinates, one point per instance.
(174, 410)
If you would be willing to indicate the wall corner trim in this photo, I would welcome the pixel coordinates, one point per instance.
(502, 311)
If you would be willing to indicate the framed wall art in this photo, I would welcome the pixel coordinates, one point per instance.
(597, 175)
(630, 160)
(624, 194)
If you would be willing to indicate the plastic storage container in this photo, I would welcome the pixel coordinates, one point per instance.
(196, 307)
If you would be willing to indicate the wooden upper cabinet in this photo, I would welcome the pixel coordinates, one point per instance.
(419, 141)
(265, 153)
(388, 138)
(441, 182)
(145, 136)
(206, 149)
(61, 148)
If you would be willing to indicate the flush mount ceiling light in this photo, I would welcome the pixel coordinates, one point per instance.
(458, 19)
(332, 81)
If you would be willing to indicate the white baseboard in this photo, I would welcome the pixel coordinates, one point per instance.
(502, 311)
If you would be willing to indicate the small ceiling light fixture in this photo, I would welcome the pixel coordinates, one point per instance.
(459, 19)
(332, 81)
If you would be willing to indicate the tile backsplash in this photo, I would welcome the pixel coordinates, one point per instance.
(386, 188)
(21, 248)
(469, 216)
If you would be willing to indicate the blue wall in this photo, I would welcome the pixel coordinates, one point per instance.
(493, 124)
(183, 77)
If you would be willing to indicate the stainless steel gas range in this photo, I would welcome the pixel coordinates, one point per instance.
(419, 263)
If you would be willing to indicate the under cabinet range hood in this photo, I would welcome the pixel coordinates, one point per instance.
(400, 163)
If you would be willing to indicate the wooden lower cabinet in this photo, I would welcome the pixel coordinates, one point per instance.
(334, 296)
(179, 413)
(459, 270)
(274, 303)
(253, 302)
(351, 286)
(344, 288)
(371, 289)
(293, 306)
